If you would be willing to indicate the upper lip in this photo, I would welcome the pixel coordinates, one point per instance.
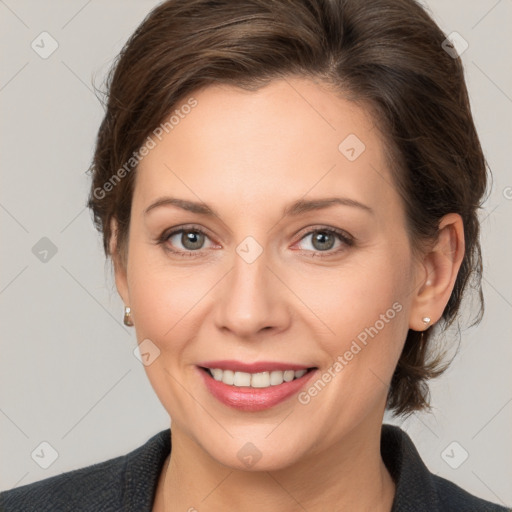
(260, 366)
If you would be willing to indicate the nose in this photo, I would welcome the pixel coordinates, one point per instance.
(252, 299)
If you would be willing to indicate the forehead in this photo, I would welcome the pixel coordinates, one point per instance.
(290, 138)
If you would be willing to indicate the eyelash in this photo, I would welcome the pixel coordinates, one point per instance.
(344, 237)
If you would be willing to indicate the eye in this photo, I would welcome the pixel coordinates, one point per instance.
(324, 239)
(184, 241)
(190, 241)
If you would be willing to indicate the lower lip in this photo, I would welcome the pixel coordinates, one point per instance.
(246, 398)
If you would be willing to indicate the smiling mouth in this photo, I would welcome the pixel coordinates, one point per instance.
(257, 380)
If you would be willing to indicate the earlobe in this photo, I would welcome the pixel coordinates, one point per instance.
(440, 267)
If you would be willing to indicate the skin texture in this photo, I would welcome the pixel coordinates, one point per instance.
(248, 155)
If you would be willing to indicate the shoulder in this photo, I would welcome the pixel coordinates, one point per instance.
(122, 483)
(454, 498)
(419, 490)
(88, 487)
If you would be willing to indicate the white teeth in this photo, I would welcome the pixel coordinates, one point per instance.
(228, 377)
(216, 373)
(288, 375)
(276, 378)
(255, 380)
(260, 380)
(242, 379)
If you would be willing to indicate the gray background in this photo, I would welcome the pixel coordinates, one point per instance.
(68, 373)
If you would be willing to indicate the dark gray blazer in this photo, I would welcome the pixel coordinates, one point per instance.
(128, 483)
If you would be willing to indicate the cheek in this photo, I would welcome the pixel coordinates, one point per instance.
(161, 295)
(365, 295)
(365, 307)
(367, 310)
(164, 303)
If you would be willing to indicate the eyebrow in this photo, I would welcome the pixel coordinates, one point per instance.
(296, 208)
(303, 206)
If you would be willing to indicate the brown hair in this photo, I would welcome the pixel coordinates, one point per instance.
(386, 54)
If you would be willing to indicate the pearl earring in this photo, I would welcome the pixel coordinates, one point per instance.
(127, 317)
(426, 320)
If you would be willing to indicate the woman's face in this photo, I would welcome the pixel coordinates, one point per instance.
(277, 276)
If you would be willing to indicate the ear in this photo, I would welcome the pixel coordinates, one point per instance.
(119, 264)
(439, 268)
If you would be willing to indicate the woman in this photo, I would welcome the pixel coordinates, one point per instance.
(289, 193)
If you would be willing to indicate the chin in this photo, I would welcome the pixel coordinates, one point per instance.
(253, 452)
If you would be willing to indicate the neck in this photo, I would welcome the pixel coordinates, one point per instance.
(349, 476)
